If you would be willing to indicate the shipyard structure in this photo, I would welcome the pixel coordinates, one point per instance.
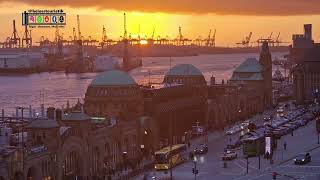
(121, 122)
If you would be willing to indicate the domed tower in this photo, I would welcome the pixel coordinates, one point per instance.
(185, 74)
(266, 62)
(114, 94)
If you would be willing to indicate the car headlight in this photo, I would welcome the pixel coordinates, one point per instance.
(295, 159)
(302, 159)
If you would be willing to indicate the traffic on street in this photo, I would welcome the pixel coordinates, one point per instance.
(242, 151)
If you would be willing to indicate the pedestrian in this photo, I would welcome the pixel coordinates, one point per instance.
(291, 133)
(189, 144)
(285, 146)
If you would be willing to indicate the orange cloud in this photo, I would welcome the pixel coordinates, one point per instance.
(223, 7)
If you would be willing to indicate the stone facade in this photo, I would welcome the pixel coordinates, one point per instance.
(305, 54)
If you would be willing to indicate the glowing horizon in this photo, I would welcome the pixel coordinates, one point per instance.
(230, 28)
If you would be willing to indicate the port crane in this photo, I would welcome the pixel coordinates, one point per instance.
(278, 41)
(27, 37)
(181, 40)
(268, 40)
(58, 42)
(125, 44)
(198, 41)
(15, 40)
(246, 42)
(208, 39)
(80, 59)
(212, 40)
(151, 39)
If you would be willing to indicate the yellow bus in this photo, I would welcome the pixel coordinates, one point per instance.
(178, 154)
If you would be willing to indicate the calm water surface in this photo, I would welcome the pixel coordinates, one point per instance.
(54, 89)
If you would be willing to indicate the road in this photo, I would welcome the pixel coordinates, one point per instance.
(210, 166)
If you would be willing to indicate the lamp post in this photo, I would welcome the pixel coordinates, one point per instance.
(259, 154)
(247, 158)
(22, 143)
(171, 143)
(194, 170)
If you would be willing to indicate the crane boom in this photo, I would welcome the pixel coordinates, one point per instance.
(79, 32)
(209, 37)
(213, 39)
(249, 38)
(278, 37)
(74, 34)
(125, 34)
(154, 29)
(270, 35)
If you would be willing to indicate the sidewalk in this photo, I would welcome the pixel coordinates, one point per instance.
(304, 139)
(145, 165)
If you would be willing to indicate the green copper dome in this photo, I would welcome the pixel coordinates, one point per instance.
(184, 70)
(113, 78)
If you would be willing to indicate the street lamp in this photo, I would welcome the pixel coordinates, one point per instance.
(22, 135)
(194, 170)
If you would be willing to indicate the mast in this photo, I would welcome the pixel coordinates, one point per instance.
(125, 41)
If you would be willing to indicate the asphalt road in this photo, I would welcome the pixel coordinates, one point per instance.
(210, 165)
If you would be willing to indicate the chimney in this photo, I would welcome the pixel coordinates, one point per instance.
(51, 113)
(308, 31)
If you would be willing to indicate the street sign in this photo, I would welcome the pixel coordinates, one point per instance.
(268, 145)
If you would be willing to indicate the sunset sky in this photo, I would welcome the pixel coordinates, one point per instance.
(233, 19)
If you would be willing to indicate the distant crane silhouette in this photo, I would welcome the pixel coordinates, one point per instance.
(246, 41)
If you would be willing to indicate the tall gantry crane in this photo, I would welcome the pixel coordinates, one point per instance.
(125, 44)
(74, 33)
(213, 39)
(15, 39)
(27, 37)
(268, 40)
(246, 41)
(180, 39)
(78, 23)
(208, 39)
(151, 39)
(80, 59)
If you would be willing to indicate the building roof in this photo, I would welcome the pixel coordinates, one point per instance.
(250, 77)
(76, 116)
(113, 78)
(184, 70)
(42, 124)
(249, 65)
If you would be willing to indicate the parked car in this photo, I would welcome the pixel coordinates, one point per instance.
(302, 158)
(201, 149)
(229, 155)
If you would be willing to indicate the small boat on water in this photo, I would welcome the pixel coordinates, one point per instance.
(277, 76)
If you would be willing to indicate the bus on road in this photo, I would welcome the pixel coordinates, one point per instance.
(178, 154)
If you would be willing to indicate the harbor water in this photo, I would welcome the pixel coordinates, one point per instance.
(55, 89)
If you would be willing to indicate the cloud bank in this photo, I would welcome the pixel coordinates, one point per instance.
(220, 7)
